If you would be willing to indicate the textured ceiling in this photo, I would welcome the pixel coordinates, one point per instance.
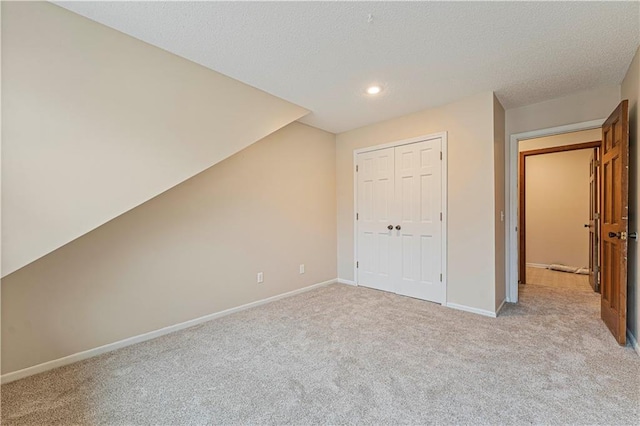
(322, 55)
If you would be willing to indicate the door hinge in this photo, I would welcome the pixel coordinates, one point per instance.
(597, 163)
(356, 168)
(441, 155)
(596, 216)
(596, 269)
(357, 264)
(440, 277)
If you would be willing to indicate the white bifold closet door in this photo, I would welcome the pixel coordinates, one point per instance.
(399, 224)
(376, 205)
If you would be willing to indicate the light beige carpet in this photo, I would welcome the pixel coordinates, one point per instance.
(347, 355)
(549, 278)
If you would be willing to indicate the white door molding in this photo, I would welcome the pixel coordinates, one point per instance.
(511, 172)
(444, 145)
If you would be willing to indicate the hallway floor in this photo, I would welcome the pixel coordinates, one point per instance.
(557, 279)
(351, 355)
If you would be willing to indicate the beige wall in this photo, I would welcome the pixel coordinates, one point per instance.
(471, 230)
(557, 207)
(564, 209)
(498, 153)
(631, 91)
(96, 122)
(583, 106)
(592, 135)
(191, 251)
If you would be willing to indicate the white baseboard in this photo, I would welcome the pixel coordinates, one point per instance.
(50, 365)
(633, 341)
(500, 307)
(472, 310)
(348, 282)
(538, 265)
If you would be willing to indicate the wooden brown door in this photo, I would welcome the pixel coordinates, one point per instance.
(594, 222)
(615, 218)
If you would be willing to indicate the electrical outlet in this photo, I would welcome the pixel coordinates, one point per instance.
(260, 278)
(302, 268)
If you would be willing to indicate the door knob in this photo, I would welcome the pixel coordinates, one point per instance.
(390, 227)
(586, 225)
(614, 235)
(633, 235)
(398, 227)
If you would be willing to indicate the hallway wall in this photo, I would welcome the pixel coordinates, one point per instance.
(540, 246)
(557, 207)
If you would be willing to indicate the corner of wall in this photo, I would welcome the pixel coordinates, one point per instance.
(499, 202)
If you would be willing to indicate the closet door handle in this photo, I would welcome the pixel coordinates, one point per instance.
(398, 227)
(390, 227)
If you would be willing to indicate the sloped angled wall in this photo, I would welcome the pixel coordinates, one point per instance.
(96, 122)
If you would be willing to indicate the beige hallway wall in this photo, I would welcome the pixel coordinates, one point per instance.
(631, 91)
(557, 207)
(96, 122)
(575, 243)
(471, 208)
(592, 135)
(192, 251)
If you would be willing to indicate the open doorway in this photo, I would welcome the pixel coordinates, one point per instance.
(613, 233)
(558, 210)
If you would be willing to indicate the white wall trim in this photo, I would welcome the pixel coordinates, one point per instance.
(538, 265)
(500, 307)
(347, 282)
(443, 136)
(445, 212)
(49, 365)
(633, 342)
(511, 174)
(472, 310)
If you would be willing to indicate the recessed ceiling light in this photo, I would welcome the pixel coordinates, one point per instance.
(374, 90)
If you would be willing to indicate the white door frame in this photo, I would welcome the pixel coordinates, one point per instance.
(511, 164)
(443, 172)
